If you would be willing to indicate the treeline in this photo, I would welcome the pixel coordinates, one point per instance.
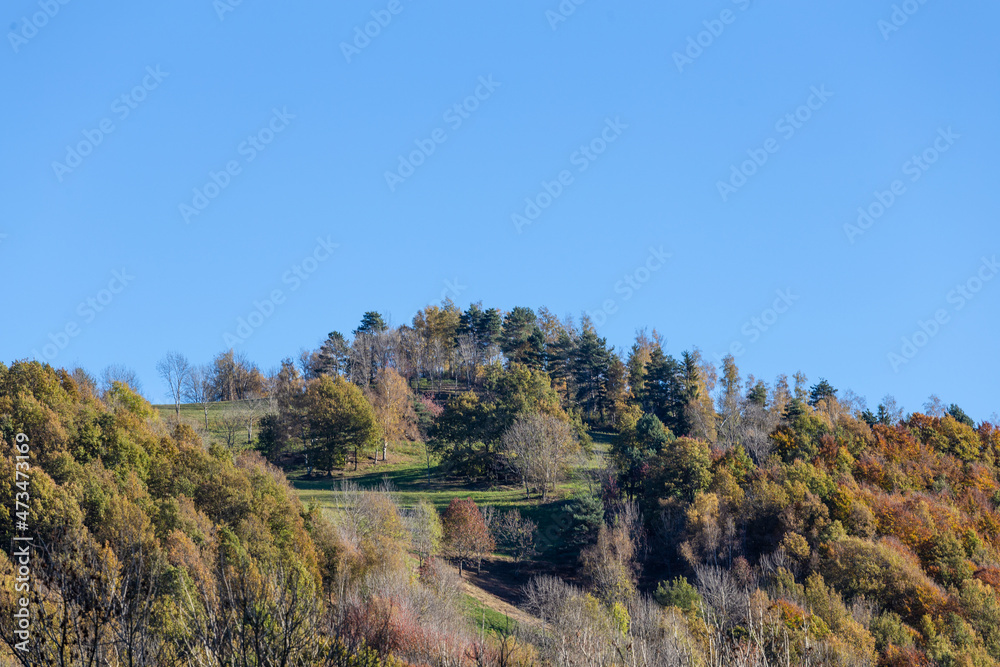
(732, 521)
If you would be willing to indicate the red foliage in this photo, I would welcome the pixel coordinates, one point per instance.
(904, 657)
(432, 406)
(989, 576)
(465, 533)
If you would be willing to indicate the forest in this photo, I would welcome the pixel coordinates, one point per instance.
(490, 488)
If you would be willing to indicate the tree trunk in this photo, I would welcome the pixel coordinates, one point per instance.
(385, 448)
(355, 458)
(205, 406)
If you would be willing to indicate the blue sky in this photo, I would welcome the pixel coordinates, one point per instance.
(208, 86)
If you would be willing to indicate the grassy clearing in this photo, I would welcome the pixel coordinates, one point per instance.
(486, 619)
(193, 415)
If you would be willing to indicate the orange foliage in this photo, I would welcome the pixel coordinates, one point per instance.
(904, 657)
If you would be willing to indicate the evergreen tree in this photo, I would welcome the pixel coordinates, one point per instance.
(959, 415)
(758, 394)
(334, 355)
(521, 339)
(559, 357)
(590, 370)
(586, 516)
(820, 391)
(371, 323)
(665, 390)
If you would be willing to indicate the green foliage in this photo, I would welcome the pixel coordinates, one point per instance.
(680, 470)
(633, 449)
(821, 391)
(678, 593)
(585, 515)
(339, 418)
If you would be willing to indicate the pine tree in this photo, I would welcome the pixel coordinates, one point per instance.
(521, 339)
(590, 369)
(820, 391)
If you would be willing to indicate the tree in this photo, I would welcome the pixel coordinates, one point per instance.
(934, 407)
(540, 448)
(371, 323)
(821, 391)
(466, 537)
(521, 339)
(370, 351)
(425, 530)
(681, 470)
(729, 402)
(889, 412)
(632, 450)
(198, 388)
(392, 401)
(699, 383)
(235, 377)
(516, 534)
(334, 355)
(665, 393)
(585, 516)
(959, 415)
(482, 329)
(174, 369)
(590, 368)
(120, 373)
(338, 418)
(610, 564)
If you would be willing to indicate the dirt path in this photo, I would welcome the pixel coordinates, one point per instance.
(498, 605)
(487, 599)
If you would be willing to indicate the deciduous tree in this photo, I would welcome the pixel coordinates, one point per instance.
(466, 537)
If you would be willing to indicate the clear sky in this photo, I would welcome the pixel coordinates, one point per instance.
(300, 116)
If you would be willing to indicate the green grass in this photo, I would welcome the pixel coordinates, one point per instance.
(491, 620)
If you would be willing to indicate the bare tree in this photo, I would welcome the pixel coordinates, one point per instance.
(174, 369)
(540, 448)
(516, 534)
(198, 388)
(231, 420)
(120, 373)
(934, 406)
(755, 427)
(85, 382)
